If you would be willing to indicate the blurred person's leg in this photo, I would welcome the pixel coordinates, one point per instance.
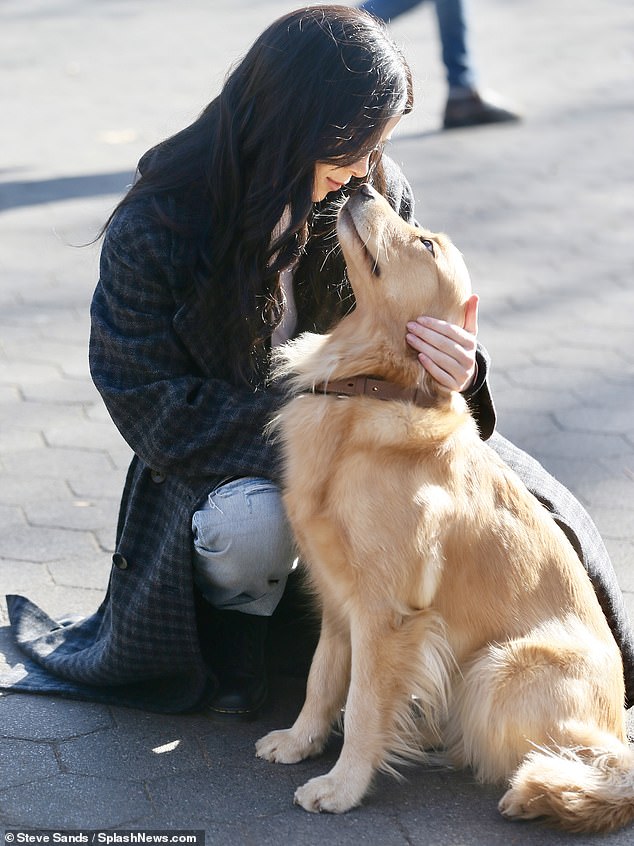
(465, 104)
(387, 10)
(454, 41)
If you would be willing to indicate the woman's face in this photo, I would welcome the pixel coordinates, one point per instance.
(330, 176)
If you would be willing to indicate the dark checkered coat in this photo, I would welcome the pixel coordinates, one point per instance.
(164, 377)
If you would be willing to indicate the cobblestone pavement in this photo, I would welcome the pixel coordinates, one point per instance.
(543, 212)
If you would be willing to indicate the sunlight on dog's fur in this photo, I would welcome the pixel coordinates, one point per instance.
(455, 614)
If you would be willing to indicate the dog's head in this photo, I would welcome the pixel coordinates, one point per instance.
(398, 271)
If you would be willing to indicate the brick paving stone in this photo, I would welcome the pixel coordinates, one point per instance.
(27, 717)
(8, 393)
(11, 517)
(19, 373)
(158, 729)
(356, 827)
(579, 359)
(69, 801)
(614, 523)
(607, 395)
(57, 463)
(507, 356)
(23, 575)
(615, 493)
(106, 537)
(58, 602)
(91, 572)
(70, 585)
(531, 399)
(19, 439)
(120, 454)
(18, 489)
(84, 434)
(37, 543)
(80, 514)
(619, 421)
(461, 806)
(517, 425)
(133, 756)
(553, 376)
(98, 413)
(621, 466)
(23, 761)
(573, 444)
(623, 378)
(60, 354)
(579, 475)
(622, 555)
(217, 793)
(32, 415)
(67, 391)
(105, 485)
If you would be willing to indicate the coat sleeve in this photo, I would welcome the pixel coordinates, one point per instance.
(175, 417)
(479, 398)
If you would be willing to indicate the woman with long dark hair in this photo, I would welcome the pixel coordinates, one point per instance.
(225, 246)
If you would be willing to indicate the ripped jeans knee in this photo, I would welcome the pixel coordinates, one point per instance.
(243, 546)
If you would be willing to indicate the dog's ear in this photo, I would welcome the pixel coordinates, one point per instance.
(471, 314)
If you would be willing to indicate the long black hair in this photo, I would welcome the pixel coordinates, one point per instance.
(319, 85)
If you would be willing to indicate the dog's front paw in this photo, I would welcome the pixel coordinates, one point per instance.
(325, 793)
(286, 747)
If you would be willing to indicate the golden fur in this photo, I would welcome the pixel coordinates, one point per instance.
(455, 613)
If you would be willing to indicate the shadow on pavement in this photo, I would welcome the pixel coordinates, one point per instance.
(32, 193)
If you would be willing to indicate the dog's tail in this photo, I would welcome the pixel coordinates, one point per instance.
(585, 789)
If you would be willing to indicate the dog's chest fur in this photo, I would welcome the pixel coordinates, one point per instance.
(355, 469)
(386, 501)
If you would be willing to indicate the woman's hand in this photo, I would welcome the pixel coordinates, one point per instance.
(446, 351)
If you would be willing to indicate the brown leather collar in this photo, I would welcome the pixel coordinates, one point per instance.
(370, 387)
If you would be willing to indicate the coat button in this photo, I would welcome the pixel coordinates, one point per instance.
(157, 477)
(119, 561)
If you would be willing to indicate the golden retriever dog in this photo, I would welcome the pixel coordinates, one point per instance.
(455, 614)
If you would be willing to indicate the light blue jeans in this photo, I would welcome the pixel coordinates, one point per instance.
(243, 546)
(453, 31)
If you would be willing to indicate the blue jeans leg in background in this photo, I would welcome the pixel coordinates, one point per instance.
(453, 31)
(454, 39)
(389, 9)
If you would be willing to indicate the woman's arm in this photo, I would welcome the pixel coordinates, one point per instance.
(452, 355)
(447, 351)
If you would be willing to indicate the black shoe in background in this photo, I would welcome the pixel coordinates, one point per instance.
(472, 109)
(238, 661)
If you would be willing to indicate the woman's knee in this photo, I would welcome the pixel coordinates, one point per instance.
(243, 545)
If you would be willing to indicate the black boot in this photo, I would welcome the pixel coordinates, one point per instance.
(239, 665)
(472, 109)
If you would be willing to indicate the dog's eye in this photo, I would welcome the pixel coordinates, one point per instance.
(429, 245)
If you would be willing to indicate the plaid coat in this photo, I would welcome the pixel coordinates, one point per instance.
(164, 377)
